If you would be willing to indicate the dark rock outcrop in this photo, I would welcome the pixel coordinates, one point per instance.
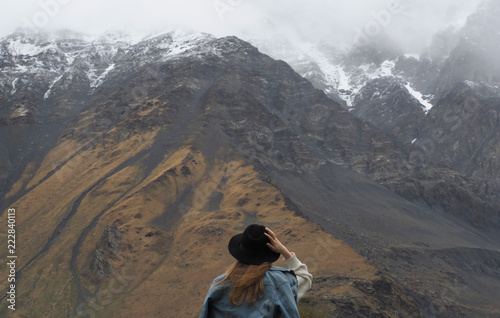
(463, 132)
(107, 247)
(387, 104)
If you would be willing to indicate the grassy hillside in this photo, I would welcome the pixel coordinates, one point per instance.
(170, 223)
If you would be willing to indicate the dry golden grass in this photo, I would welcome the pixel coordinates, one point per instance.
(39, 212)
(26, 176)
(168, 256)
(198, 253)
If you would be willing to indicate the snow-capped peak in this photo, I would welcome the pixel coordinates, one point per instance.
(65, 54)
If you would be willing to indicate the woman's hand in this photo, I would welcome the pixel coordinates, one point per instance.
(275, 245)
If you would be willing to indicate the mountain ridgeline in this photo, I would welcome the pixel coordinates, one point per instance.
(442, 103)
(131, 164)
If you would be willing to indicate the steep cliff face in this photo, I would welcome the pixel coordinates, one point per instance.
(375, 104)
(283, 130)
(462, 131)
(475, 57)
(185, 141)
(442, 104)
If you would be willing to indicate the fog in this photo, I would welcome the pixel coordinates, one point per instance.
(410, 22)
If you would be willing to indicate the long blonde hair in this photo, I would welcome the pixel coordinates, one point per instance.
(247, 282)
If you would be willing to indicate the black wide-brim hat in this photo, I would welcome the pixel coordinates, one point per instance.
(250, 247)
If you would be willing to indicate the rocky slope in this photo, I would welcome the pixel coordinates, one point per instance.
(463, 131)
(442, 103)
(130, 184)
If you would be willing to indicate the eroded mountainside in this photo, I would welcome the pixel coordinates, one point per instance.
(132, 163)
(442, 102)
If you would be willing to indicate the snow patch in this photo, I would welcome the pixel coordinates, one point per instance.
(426, 105)
(49, 91)
(471, 84)
(100, 79)
(384, 70)
(413, 55)
(14, 89)
(343, 80)
(350, 85)
(333, 75)
(183, 42)
(21, 68)
(71, 56)
(19, 47)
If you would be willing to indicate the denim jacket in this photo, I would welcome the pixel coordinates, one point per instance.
(279, 301)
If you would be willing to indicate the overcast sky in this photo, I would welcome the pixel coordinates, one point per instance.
(412, 22)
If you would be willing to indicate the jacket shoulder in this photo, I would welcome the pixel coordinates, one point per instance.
(279, 275)
(281, 269)
(218, 279)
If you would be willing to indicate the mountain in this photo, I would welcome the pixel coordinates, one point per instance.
(130, 164)
(131, 185)
(442, 103)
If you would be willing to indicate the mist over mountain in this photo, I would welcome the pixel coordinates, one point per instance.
(131, 159)
(300, 22)
(404, 94)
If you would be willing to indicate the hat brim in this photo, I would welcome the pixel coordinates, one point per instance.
(248, 256)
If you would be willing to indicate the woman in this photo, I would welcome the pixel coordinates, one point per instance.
(252, 287)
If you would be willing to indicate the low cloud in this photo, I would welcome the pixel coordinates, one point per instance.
(411, 22)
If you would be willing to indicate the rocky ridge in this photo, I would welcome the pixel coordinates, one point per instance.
(422, 99)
